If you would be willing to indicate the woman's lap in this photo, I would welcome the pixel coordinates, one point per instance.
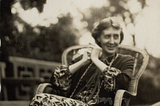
(45, 99)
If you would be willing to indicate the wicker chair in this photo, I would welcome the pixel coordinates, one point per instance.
(122, 97)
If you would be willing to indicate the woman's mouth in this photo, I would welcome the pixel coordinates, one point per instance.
(110, 47)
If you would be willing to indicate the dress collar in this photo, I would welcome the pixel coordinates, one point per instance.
(110, 59)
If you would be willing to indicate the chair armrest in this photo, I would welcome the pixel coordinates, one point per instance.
(120, 95)
(41, 87)
(156, 104)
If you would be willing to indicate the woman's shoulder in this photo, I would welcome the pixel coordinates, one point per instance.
(123, 58)
(124, 61)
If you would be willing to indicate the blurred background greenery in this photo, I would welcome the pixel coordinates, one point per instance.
(42, 29)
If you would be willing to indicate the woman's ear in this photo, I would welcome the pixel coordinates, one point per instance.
(120, 41)
(98, 39)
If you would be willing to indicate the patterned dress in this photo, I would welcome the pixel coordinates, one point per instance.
(88, 86)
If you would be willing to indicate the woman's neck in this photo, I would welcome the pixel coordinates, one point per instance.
(109, 58)
(107, 55)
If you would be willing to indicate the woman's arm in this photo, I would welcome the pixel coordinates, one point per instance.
(85, 59)
(95, 58)
(61, 77)
(123, 80)
(122, 77)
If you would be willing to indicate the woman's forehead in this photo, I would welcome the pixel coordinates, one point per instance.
(111, 30)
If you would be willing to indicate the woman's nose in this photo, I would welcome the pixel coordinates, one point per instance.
(111, 40)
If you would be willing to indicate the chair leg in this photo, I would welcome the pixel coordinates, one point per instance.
(5, 92)
(125, 102)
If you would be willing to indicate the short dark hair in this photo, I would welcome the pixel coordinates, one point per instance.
(105, 24)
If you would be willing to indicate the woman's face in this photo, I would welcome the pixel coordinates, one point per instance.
(110, 39)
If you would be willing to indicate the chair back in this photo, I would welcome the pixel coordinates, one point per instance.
(139, 55)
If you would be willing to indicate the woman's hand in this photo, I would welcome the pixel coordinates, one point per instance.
(96, 52)
(86, 57)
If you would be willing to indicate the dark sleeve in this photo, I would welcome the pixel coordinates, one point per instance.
(123, 79)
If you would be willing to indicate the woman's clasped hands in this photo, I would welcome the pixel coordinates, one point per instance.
(92, 53)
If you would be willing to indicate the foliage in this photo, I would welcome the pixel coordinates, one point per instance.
(46, 43)
(114, 9)
(28, 4)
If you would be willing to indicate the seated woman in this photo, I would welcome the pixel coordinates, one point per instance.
(94, 79)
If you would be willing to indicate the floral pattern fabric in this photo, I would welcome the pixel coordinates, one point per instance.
(44, 99)
(109, 78)
(61, 77)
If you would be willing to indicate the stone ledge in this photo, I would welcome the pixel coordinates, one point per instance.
(14, 103)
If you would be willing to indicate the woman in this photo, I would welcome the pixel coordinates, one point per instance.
(93, 79)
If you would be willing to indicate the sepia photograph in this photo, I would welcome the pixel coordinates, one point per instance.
(79, 53)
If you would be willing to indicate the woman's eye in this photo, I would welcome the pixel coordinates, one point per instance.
(116, 36)
(107, 36)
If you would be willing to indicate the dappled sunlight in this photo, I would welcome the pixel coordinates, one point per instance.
(19, 26)
(53, 9)
(134, 6)
(146, 36)
(86, 4)
(147, 29)
(86, 39)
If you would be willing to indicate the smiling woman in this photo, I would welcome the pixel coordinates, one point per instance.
(110, 39)
(110, 31)
(94, 78)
